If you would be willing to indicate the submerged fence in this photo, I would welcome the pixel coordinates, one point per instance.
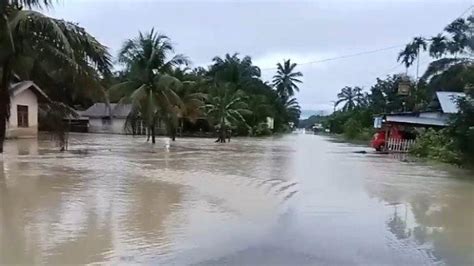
(399, 145)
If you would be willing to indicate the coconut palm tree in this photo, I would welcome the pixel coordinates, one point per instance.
(233, 69)
(286, 79)
(292, 109)
(348, 96)
(419, 43)
(459, 31)
(260, 108)
(407, 56)
(31, 40)
(226, 106)
(447, 70)
(360, 98)
(411, 52)
(192, 107)
(438, 46)
(150, 90)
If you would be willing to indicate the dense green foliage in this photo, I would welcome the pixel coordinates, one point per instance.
(454, 144)
(226, 106)
(55, 54)
(229, 94)
(451, 70)
(75, 70)
(148, 85)
(311, 121)
(438, 145)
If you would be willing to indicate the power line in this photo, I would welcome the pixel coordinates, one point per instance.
(343, 56)
(465, 11)
(363, 53)
(425, 61)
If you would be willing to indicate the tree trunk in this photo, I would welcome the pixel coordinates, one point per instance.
(153, 141)
(222, 135)
(172, 130)
(4, 102)
(417, 64)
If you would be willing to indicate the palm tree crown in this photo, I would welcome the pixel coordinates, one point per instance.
(286, 79)
(47, 47)
(149, 87)
(226, 105)
(233, 69)
(411, 51)
(351, 96)
(438, 46)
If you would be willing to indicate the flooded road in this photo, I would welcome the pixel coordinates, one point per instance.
(293, 200)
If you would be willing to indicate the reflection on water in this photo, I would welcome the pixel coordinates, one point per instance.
(294, 200)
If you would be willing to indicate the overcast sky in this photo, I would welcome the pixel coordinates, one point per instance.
(270, 31)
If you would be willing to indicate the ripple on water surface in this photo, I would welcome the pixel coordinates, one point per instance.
(293, 200)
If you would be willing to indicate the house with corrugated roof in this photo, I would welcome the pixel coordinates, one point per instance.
(396, 127)
(105, 118)
(25, 99)
(437, 114)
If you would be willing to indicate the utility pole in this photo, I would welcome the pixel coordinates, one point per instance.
(334, 106)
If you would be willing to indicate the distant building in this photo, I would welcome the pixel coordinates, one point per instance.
(437, 115)
(397, 131)
(25, 97)
(103, 119)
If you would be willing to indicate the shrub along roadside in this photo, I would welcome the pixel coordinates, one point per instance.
(437, 145)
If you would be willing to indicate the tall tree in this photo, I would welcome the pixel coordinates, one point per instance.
(148, 86)
(233, 69)
(226, 106)
(31, 40)
(453, 53)
(348, 96)
(438, 46)
(458, 30)
(286, 79)
(412, 51)
(419, 44)
(292, 109)
(407, 56)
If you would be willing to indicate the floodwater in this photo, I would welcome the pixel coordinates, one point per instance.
(293, 200)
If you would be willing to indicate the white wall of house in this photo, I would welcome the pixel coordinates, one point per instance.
(28, 98)
(98, 125)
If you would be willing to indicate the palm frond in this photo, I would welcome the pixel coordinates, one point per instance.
(37, 28)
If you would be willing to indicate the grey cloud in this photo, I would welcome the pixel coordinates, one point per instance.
(309, 30)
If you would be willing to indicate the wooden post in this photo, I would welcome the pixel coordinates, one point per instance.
(387, 131)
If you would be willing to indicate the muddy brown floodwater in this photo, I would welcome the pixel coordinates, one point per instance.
(293, 200)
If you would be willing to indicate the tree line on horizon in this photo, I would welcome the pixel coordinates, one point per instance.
(229, 93)
(451, 69)
(74, 69)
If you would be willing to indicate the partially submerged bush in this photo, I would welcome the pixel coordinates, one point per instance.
(437, 145)
(262, 129)
(352, 128)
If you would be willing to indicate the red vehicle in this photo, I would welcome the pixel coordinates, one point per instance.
(378, 140)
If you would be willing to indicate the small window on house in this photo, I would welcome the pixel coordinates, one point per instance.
(22, 113)
(106, 120)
